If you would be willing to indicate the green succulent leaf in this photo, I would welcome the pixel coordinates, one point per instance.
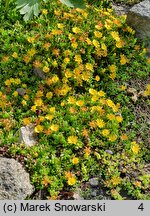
(74, 3)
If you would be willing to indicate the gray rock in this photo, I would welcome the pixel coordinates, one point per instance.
(94, 182)
(14, 180)
(27, 135)
(77, 195)
(94, 193)
(120, 9)
(138, 18)
(21, 91)
(38, 72)
(109, 152)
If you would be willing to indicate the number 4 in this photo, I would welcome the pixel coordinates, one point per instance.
(141, 207)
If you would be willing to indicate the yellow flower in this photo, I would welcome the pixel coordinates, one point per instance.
(89, 66)
(15, 55)
(33, 108)
(68, 73)
(24, 102)
(39, 94)
(130, 30)
(137, 184)
(111, 116)
(32, 52)
(112, 137)
(112, 68)
(17, 81)
(55, 79)
(104, 47)
(60, 25)
(26, 121)
(49, 117)
(46, 46)
(44, 11)
(123, 87)
(80, 103)
(135, 147)
(5, 58)
(99, 26)
(62, 104)
(49, 95)
(115, 35)
(75, 160)
(72, 139)
(26, 97)
(46, 69)
(71, 181)
(120, 44)
(54, 63)
(24, 85)
(86, 75)
(71, 100)
(15, 94)
(89, 42)
(87, 151)
(148, 60)
(110, 103)
(38, 129)
(100, 123)
(97, 78)
(37, 64)
(92, 91)
(26, 59)
(147, 91)
(123, 59)
(124, 137)
(30, 39)
(74, 45)
(101, 93)
(54, 127)
(119, 118)
(105, 132)
(12, 80)
(7, 82)
(76, 30)
(38, 102)
(95, 43)
(52, 109)
(115, 180)
(41, 118)
(78, 59)
(66, 60)
(67, 52)
(98, 34)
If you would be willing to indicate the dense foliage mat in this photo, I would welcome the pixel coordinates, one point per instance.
(78, 103)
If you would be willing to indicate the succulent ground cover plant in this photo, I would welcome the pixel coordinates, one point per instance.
(82, 107)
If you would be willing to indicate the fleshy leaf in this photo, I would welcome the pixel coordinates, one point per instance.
(74, 3)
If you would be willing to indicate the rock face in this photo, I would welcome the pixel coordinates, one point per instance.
(38, 72)
(138, 17)
(14, 181)
(27, 135)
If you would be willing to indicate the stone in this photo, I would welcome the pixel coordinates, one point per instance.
(27, 135)
(38, 72)
(77, 195)
(14, 180)
(94, 182)
(21, 91)
(109, 152)
(94, 193)
(120, 9)
(138, 17)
